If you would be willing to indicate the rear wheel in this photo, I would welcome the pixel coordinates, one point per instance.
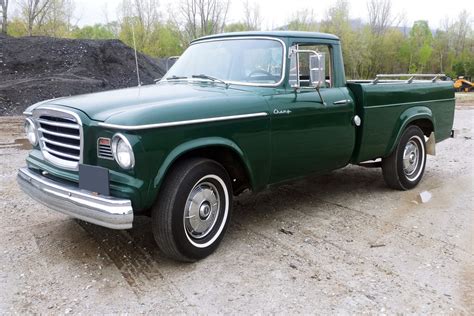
(193, 210)
(404, 168)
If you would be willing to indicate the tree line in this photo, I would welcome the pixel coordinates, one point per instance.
(383, 44)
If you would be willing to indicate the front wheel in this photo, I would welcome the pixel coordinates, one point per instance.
(193, 210)
(404, 168)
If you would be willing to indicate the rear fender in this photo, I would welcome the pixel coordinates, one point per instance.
(406, 118)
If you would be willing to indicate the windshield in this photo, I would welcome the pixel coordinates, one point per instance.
(252, 61)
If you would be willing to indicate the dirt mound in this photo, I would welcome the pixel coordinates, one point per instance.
(38, 68)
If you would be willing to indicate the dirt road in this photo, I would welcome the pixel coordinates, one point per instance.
(335, 243)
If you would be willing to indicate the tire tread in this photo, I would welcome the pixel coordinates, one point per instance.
(162, 214)
(390, 168)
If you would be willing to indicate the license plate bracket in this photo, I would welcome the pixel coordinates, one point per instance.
(95, 179)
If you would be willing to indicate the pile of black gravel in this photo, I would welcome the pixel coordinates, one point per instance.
(33, 69)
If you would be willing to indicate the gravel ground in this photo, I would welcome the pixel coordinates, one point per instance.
(330, 244)
(463, 98)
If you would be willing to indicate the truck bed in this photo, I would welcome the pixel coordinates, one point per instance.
(387, 106)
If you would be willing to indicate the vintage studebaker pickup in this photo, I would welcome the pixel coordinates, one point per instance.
(236, 111)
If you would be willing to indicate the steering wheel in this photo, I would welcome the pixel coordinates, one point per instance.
(259, 71)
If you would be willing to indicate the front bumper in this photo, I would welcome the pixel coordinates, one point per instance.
(101, 210)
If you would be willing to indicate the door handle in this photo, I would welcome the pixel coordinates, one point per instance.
(341, 102)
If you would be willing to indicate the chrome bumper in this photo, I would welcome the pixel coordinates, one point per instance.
(105, 211)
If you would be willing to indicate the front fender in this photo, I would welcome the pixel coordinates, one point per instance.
(407, 117)
(198, 144)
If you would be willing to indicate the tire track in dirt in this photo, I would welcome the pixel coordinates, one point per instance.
(136, 264)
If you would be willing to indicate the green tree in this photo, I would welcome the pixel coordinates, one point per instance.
(160, 40)
(303, 20)
(133, 33)
(236, 27)
(420, 46)
(337, 22)
(165, 40)
(97, 31)
(442, 57)
(17, 27)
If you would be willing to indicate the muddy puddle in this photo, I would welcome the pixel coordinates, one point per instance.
(19, 143)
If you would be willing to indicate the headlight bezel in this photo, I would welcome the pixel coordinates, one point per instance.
(116, 139)
(30, 123)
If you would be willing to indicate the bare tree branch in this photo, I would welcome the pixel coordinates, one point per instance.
(380, 15)
(252, 16)
(34, 12)
(203, 17)
(4, 15)
(144, 11)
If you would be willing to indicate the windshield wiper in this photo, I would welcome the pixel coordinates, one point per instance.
(203, 76)
(174, 77)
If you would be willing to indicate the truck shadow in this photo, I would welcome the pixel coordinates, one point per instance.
(139, 260)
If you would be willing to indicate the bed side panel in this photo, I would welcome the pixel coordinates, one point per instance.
(385, 110)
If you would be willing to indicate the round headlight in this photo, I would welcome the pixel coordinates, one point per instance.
(30, 131)
(123, 152)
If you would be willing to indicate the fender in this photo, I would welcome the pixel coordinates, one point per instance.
(408, 116)
(197, 144)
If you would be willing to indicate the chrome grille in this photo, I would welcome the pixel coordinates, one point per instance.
(60, 135)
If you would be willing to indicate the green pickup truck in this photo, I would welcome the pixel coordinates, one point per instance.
(236, 112)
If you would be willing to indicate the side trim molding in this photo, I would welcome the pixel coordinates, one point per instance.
(405, 103)
(187, 122)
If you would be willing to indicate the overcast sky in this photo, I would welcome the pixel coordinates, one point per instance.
(277, 12)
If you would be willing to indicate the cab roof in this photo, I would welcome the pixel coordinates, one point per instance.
(279, 34)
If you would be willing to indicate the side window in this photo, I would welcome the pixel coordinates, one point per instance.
(302, 60)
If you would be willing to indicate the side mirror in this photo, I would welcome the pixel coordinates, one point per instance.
(317, 71)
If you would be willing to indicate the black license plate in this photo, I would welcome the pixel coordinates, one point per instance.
(95, 179)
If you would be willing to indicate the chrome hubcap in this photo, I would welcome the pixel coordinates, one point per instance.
(201, 210)
(204, 210)
(411, 158)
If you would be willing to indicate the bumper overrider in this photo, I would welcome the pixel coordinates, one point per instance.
(101, 210)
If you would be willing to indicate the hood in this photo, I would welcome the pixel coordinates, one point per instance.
(163, 102)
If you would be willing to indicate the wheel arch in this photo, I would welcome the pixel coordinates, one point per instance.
(420, 116)
(222, 150)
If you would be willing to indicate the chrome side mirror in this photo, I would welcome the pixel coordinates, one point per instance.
(316, 65)
(317, 71)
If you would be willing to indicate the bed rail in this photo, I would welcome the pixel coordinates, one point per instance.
(411, 77)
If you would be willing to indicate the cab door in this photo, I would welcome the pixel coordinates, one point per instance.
(311, 132)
